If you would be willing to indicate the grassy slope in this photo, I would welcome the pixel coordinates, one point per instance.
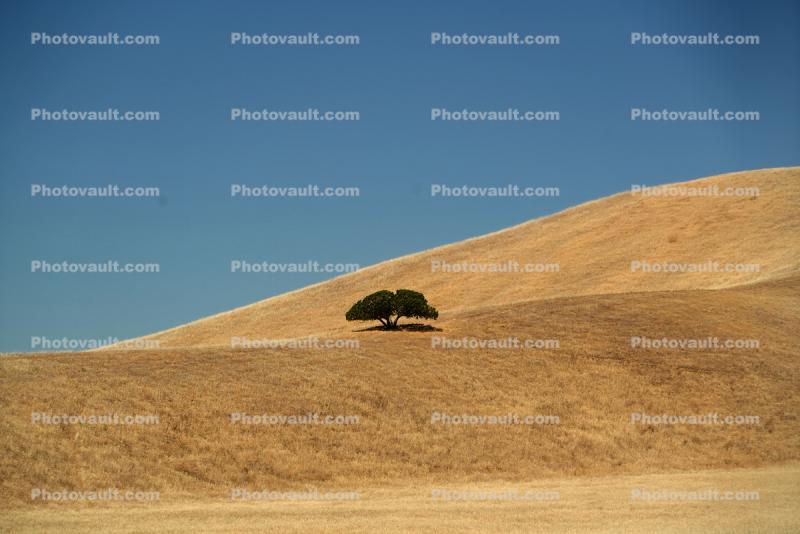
(394, 381)
(594, 245)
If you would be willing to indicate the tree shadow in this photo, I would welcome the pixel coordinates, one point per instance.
(413, 327)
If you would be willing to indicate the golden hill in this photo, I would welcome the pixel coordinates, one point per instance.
(394, 382)
(593, 381)
(592, 245)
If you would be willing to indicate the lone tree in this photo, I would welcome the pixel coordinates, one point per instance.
(388, 307)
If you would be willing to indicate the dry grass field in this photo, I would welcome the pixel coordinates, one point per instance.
(394, 382)
(597, 505)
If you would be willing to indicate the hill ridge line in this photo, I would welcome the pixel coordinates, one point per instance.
(442, 248)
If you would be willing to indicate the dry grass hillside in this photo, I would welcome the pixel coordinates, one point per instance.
(593, 245)
(394, 382)
(593, 381)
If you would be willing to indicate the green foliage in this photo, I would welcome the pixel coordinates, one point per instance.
(388, 307)
(408, 303)
(377, 306)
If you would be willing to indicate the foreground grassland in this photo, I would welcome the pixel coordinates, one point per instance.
(394, 382)
(597, 505)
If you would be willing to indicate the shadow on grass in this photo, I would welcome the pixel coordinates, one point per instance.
(414, 327)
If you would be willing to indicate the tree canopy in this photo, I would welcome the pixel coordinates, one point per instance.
(388, 307)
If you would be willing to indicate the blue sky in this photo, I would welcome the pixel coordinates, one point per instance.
(393, 153)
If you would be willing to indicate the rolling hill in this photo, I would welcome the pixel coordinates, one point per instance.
(592, 246)
(593, 380)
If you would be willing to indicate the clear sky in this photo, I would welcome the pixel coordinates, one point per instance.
(393, 153)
